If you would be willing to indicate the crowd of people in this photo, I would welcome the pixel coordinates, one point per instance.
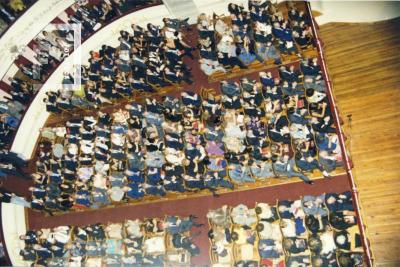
(10, 10)
(311, 231)
(56, 41)
(260, 33)
(151, 242)
(253, 131)
(146, 60)
(51, 47)
(279, 125)
(12, 109)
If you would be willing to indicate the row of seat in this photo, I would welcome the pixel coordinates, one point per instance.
(311, 231)
(151, 242)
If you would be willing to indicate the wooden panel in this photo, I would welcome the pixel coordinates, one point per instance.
(364, 65)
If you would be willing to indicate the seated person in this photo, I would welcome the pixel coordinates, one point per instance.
(342, 220)
(95, 232)
(262, 169)
(245, 48)
(240, 173)
(339, 202)
(242, 215)
(294, 245)
(285, 166)
(266, 52)
(348, 240)
(220, 217)
(154, 245)
(182, 241)
(269, 248)
(177, 225)
(292, 261)
(350, 259)
(269, 231)
(330, 161)
(216, 179)
(210, 67)
(191, 99)
(266, 213)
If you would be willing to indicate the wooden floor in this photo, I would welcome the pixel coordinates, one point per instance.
(364, 64)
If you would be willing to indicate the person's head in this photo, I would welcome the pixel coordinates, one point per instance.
(341, 239)
(258, 210)
(288, 244)
(309, 92)
(331, 200)
(345, 260)
(317, 261)
(210, 234)
(260, 227)
(234, 236)
(314, 243)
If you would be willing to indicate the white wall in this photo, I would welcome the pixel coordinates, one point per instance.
(355, 11)
(13, 223)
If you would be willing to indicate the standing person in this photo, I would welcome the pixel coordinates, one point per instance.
(8, 197)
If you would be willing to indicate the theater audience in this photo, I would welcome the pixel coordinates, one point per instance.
(51, 46)
(139, 243)
(272, 137)
(260, 33)
(279, 235)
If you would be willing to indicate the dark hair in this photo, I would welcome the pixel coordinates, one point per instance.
(234, 236)
(345, 260)
(315, 244)
(309, 92)
(258, 210)
(210, 234)
(260, 227)
(288, 244)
